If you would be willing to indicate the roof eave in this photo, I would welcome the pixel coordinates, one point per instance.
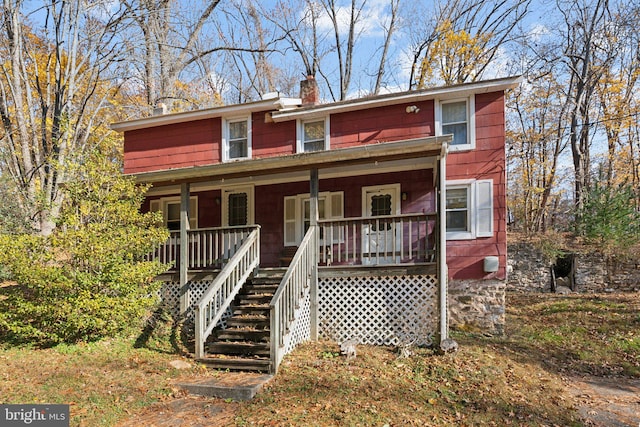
(443, 92)
(187, 116)
(420, 147)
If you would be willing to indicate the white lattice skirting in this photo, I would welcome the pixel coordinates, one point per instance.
(170, 297)
(379, 310)
(301, 327)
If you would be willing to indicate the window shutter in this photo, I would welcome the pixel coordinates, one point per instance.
(193, 213)
(336, 205)
(290, 221)
(154, 206)
(484, 208)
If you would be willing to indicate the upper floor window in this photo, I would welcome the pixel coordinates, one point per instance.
(236, 139)
(457, 117)
(313, 135)
(469, 209)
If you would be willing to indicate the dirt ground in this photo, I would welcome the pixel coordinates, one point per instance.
(607, 402)
(601, 402)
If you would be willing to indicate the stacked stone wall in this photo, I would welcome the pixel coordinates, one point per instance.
(528, 271)
(477, 305)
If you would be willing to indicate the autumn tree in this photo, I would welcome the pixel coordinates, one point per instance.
(458, 41)
(52, 91)
(535, 142)
(618, 102)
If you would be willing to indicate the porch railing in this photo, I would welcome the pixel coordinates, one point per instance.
(209, 248)
(393, 239)
(288, 299)
(224, 288)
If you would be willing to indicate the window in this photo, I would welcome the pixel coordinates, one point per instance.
(297, 214)
(237, 206)
(170, 208)
(236, 139)
(469, 209)
(313, 135)
(457, 118)
(458, 209)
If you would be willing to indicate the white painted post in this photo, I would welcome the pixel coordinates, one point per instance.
(313, 292)
(184, 246)
(443, 272)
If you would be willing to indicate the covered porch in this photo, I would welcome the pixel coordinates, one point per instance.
(393, 264)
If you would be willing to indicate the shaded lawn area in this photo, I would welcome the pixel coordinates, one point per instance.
(316, 387)
(512, 380)
(593, 334)
(102, 382)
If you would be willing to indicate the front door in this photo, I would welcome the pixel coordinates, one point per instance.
(380, 235)
(237, 210)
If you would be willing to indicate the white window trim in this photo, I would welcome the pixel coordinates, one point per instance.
(225, 138)
(474, 206)
(161, 205)
(471, 122)
(300, 133)
(299, 213)
(250, 190)
(397, 208)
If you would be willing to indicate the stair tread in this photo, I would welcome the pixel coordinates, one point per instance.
(260, 364)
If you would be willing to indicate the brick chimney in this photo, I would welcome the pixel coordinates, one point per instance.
(309, 92)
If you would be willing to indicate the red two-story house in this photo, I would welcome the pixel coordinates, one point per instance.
(380, 219)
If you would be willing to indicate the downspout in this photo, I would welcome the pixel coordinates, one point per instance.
(443, 271)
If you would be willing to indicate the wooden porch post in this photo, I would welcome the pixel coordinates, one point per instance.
(313, 202)
(443, 271)
(184, 247)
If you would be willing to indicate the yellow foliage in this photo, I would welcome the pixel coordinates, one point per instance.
(453, 56)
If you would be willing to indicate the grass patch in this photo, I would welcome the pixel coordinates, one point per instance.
(579, 334)
(510, 380)
(103, 382)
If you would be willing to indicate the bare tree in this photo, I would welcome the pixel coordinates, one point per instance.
(170, 37)
(344, 46)
(52, 94)
(583, 53)
(389, 29)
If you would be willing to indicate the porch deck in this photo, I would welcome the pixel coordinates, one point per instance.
(386, 263)
(408, 239)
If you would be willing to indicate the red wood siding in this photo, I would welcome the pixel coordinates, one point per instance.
(197, 143)
(391, 123)
(465, 258)
(179, 145)
(272, 139)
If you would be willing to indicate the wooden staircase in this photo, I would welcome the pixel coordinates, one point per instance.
(245, 344)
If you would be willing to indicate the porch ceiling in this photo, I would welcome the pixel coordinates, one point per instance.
(434, 146)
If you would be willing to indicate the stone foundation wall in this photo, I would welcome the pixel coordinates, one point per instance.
(528, 271)
(477, 305)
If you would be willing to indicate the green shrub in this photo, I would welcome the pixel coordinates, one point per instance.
(88, 279)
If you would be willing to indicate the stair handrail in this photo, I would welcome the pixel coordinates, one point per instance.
(294, 288)
(224, 289)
